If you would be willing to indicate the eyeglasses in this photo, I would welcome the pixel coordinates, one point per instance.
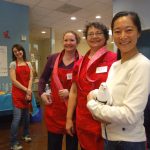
(97, 34)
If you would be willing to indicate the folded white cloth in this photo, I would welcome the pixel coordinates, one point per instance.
(102, 94)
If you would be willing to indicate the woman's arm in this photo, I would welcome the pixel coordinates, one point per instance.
(29, 90)
(46, 74)
(134, 100)
(44, 79)
(31, 79)
(72, 102)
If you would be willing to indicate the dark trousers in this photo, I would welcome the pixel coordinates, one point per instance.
(122, 145)
(55, 141)
(147, 121)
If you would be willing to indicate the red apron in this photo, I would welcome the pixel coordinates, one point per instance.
(90, 74)
(18, 95)
(55, 114)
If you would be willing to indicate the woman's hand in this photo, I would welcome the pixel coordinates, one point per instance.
(70, 127)
(64, 93)
(100, 120)
(28, 91)
(28, 96)
(90, 96)
(46, 98)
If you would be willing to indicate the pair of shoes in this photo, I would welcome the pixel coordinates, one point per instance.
(27, 138)
(16, 147)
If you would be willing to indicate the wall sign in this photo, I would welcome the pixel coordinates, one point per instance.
(3, 61)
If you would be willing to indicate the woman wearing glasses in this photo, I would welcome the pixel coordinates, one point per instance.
(88, 73)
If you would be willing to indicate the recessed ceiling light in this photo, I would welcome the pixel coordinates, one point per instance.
(43, 32)
(73, 18)
(98, 17)
(79, 30)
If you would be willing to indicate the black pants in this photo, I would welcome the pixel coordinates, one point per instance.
(147, 121)
(124, 145)
(55, 142)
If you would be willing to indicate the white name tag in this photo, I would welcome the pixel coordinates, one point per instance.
(69, 76)
(101, 69)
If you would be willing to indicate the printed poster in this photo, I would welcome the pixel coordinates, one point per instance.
(3, 61)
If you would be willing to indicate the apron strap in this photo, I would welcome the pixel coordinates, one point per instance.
(55, 71)
(96, 56)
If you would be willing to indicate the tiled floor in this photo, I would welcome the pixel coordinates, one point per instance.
(38, 134)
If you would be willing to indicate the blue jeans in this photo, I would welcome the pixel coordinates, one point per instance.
(19, 114)
(122, 145)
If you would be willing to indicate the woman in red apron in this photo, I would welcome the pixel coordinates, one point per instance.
(21, 77)
(88, 74)
(59, 71)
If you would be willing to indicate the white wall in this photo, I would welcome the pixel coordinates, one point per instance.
(142, 7)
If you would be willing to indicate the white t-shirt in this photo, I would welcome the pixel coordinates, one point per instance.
(13, 65)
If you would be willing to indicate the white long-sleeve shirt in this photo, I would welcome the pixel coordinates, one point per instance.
(129, 85)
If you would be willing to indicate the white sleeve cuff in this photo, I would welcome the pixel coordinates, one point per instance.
(91, 105)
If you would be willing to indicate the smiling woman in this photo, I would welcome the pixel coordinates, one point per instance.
(123, 119)
(88, 73)
(58, 70)
(125, 35)
(21, 76)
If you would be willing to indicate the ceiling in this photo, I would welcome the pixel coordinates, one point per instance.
(55, 14)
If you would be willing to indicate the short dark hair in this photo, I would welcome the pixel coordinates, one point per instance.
(99, 26)
(19, 48)
(134, 16)
(75, 34)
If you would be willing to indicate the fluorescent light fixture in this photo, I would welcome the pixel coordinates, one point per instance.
(79, 30)
(73, 18)
(98, 17)
(43, 32)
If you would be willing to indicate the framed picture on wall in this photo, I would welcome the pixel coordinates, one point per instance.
(3, 61)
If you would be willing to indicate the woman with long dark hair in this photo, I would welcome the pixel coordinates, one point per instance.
(21, 76)
(128, 85)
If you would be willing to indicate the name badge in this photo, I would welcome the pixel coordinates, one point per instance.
(69, 76)
(101, 69)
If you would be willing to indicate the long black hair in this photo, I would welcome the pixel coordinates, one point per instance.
(134, 16)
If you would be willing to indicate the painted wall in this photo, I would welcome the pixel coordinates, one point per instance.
(144, 43)
(14, 18)
(139, 6)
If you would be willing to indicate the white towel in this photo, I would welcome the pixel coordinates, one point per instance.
(103, 95)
